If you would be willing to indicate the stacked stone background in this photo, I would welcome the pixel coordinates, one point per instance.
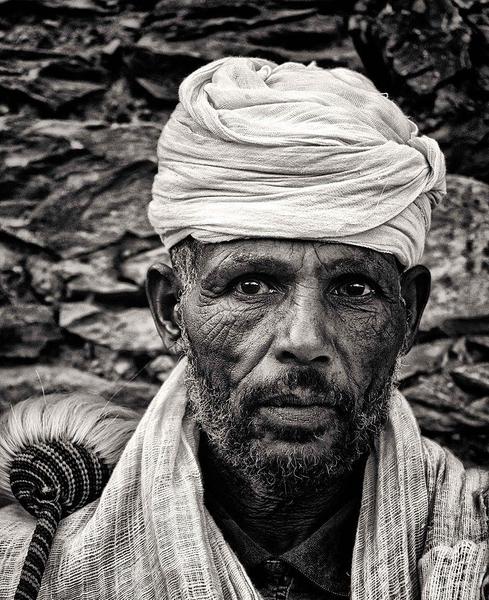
(85, 87)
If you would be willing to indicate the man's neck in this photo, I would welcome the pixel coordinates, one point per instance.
(275, 521)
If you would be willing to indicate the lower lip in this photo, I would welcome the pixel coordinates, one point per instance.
(298, 416)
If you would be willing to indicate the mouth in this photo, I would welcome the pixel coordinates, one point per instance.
(311, 417)
(298, 410)
(292, 401)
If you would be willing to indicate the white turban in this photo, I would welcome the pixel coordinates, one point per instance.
(256, 150)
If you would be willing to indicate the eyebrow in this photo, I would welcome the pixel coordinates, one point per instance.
(253, 263)
(270, 264)
(355, 265)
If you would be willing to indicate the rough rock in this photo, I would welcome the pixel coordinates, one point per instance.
(14, 285)
(457, 253)
(103, 179)
(25, 330)
(175, 42)
(16, 210)
(99, 360)
(475, 415)
(129, 330)
(136, 267)
(479, 344)
(425, 358)
(91, 274)
(441, 407)
(19, 383)
(438, 392)
(465, 325)
(473, 378)
(9, 257)
(431, 57)
(158, 74)
(432, 421)
(120, 145)
(96, 213)
(161, 367)
(47, 79)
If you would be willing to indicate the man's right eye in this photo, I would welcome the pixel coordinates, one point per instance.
(253, 287)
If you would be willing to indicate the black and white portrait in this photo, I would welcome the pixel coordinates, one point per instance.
(244, 309)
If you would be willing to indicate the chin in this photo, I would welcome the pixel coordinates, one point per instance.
(297, 466)
(314, 440)
(282, 449)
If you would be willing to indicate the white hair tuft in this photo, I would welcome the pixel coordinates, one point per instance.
(84, 419)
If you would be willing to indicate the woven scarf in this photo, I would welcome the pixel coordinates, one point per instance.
(422, 531)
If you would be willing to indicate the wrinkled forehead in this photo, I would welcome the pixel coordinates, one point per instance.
(292, 255)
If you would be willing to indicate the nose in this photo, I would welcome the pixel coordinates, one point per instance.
(302, 338)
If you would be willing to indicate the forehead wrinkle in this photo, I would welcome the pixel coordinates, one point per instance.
(370, 262)
(243, 256)
(244, 259)
(351, 265)
(292, 257)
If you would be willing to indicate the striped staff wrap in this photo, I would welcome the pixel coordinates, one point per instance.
(52, 480)
(56, 455)
(260, 150)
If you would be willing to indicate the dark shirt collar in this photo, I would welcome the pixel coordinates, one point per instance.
(324, 558)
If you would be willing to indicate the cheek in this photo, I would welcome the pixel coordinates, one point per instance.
(230, 340)
(224, 335)
(373, 340)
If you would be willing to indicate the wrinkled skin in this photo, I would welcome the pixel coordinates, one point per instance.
(265, 315)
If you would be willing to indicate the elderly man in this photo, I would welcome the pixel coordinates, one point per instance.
(278, 460)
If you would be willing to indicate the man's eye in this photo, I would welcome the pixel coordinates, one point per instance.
(354, 289)
(253, 287)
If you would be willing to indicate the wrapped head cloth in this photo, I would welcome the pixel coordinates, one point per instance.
(256, 150)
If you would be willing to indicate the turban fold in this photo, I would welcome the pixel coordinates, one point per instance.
(257, 150)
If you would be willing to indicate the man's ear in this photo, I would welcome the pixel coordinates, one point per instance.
(415, 289)
(163, 290)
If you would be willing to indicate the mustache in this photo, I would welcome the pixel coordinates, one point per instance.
(298, 387)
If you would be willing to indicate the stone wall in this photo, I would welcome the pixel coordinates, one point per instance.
(85, 87)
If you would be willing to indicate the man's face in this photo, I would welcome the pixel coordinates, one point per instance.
(292, 348)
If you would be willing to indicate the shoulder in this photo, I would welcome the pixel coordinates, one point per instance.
(443, 468)
(457, 532)
(17, 527)
(457, 492)
(15, 523)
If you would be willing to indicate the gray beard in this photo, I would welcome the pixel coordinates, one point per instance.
(224, 416)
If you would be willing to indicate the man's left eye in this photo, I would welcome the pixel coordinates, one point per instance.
(253, 287)
(354, 289)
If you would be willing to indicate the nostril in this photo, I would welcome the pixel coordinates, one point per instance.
(321, 360)
(303, 358)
